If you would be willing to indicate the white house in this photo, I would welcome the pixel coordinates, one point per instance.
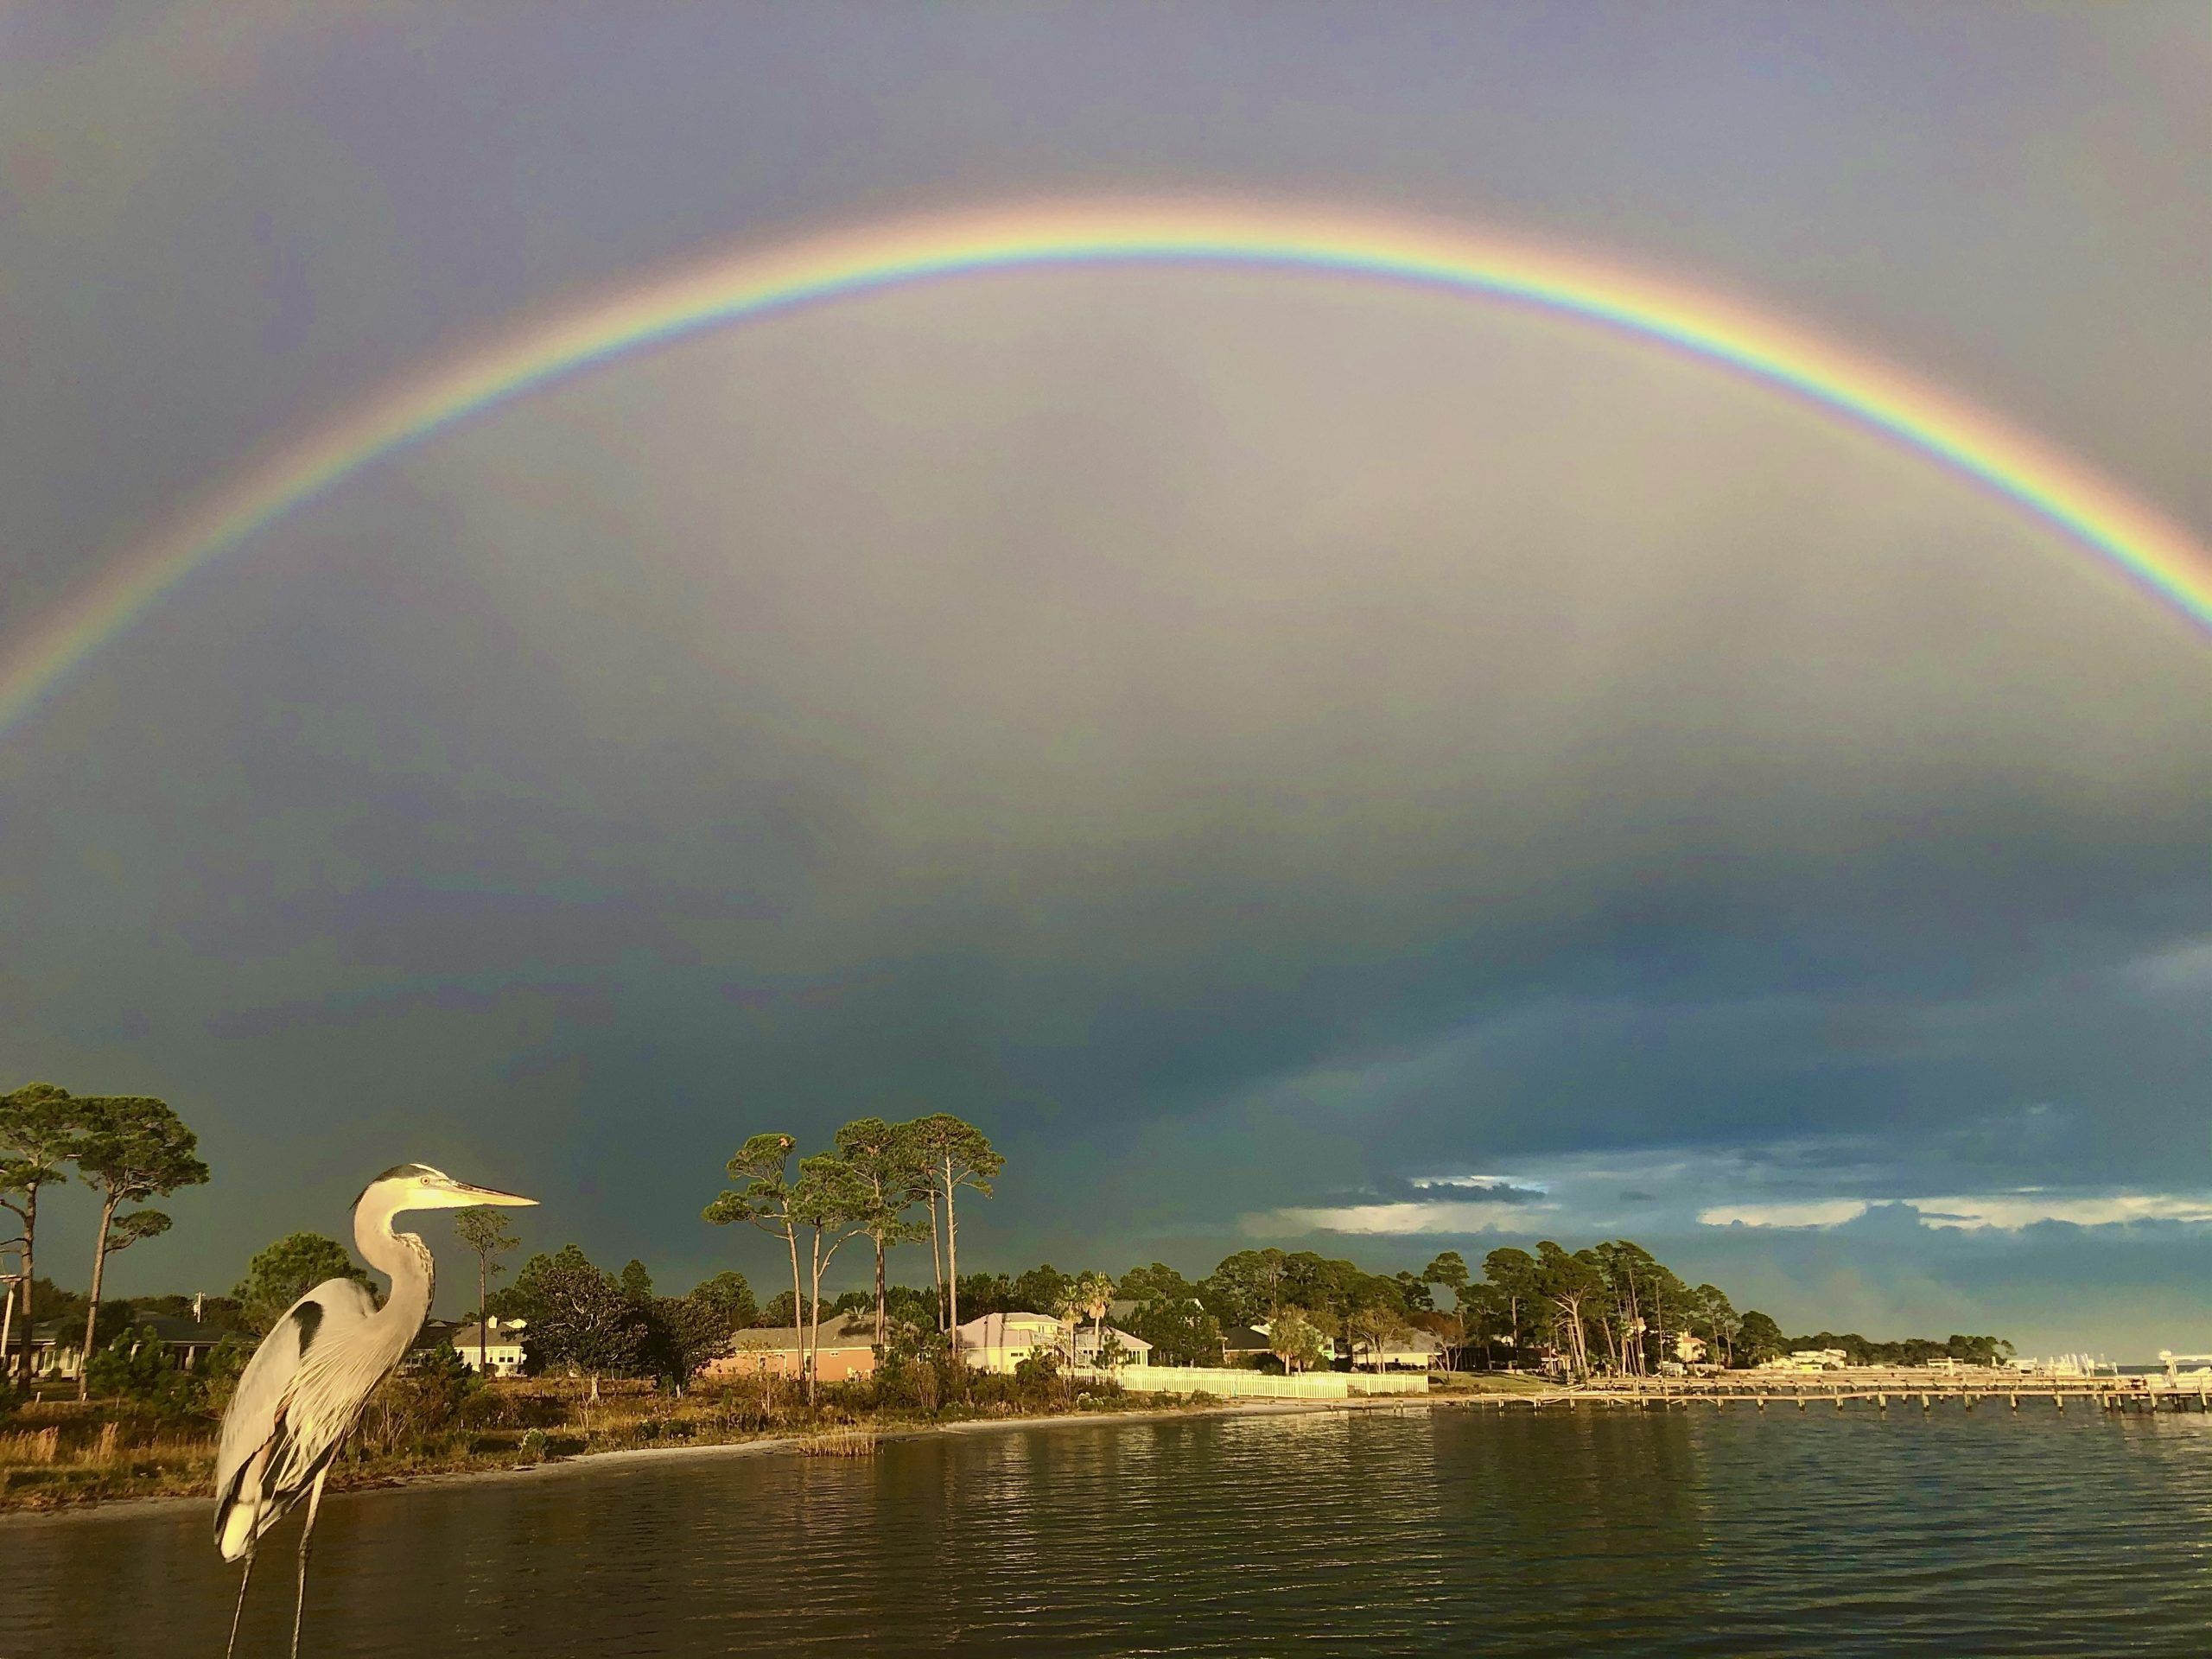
(1134, 1351)
(1808, 1359)
(502, 1351)
(57, 1345)
(999, 1342)
(1411, 1351)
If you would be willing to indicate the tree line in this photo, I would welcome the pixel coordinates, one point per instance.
(1612, 1307)
(1911, 1351)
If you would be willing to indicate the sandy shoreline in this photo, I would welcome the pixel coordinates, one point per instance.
(110, 1508)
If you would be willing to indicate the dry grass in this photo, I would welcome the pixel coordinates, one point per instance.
(40, 1446)
(60, 1455)
(840, 1443)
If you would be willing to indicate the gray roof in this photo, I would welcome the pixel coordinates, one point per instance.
(169, 1328)
(838, 1331)
(176, 1328)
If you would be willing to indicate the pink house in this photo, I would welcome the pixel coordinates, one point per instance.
(847, 1348)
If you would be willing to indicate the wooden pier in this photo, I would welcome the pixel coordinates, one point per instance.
(1885, 1391)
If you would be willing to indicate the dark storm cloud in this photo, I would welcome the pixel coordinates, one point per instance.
(1296, 761)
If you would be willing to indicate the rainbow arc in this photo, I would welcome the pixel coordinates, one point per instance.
(2126, 539)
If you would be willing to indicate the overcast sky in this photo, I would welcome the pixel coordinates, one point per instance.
(1297, 762)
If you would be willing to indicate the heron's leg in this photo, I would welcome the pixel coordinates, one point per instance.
(307, 1538)
(245, 1579)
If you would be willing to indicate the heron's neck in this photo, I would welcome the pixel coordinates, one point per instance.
(401, 1257)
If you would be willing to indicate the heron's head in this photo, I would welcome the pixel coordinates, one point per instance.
(417, 1186)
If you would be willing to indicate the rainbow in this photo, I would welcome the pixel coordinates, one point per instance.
(2155, 556)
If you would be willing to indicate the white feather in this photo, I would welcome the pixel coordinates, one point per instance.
(292, 1408)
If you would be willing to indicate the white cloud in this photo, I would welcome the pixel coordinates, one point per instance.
(2004, 1211)
(2183, 970)
(1401, 1220)
(1658, 1193)
(2015, 1210)
(1817, 1212)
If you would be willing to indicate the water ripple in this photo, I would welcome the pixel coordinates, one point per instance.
(1445, 1532)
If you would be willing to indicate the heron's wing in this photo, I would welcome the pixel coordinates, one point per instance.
(283, 1422)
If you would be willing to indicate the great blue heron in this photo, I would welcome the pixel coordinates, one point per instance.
(306, 1384)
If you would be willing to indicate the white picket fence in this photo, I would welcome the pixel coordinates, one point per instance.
(1387, 1382)
(1232, 1383)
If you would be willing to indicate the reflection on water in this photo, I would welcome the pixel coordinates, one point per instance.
(1385, 1534)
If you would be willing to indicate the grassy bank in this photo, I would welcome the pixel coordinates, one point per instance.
(1467, 1382)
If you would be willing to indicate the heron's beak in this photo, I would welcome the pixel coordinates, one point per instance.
(486, 1195)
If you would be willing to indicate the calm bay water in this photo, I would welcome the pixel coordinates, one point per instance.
(1422, 1532)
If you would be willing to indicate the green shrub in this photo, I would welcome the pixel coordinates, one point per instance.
(135, 1366)
(1037, 1373)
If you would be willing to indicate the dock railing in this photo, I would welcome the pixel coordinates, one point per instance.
(1882, 1387)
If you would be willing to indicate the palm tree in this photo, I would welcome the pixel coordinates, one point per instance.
(1092, 1293)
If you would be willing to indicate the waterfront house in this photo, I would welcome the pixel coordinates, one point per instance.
(1411, 1351)
(1242, 1345)
(57, 1348)
(845, 1348)
(1135, 1351)
(186, 1341)
(1808, 1359)
(502, 1353)
(57, 1345)
(434, 1335)
(999, 1342)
